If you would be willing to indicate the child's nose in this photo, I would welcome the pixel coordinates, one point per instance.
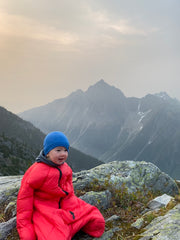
(63, 152)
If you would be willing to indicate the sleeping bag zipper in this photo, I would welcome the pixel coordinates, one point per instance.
(60, 175)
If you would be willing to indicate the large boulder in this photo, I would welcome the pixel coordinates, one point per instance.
(9, 187)
(135, 175)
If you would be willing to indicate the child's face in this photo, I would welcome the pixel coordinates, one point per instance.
(58, 155)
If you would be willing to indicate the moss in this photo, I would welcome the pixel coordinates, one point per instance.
(2, 219)
(13, 235)
(149, 217)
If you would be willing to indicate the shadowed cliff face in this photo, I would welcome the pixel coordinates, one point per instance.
(134, 183)
(105, 124)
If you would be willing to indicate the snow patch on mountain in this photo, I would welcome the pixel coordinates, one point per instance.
(143, 114)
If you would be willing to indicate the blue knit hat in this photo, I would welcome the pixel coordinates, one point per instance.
(55, 139)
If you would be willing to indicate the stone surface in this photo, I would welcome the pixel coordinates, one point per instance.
(98, 199)
(113, 218)
(161, 201)
(138, 223)
(9, 187)
(165, 227)
(135, 175)
(6, 227)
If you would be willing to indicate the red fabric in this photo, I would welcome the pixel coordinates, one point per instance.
(39, 215)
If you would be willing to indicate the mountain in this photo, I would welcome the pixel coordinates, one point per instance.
(21, 142)
(105, 124)
(158, 139)
(86, 118)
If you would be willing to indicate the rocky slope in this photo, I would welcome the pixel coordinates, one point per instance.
(103, 123)
(121, 190)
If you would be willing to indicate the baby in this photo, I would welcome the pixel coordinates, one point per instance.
(47, 208)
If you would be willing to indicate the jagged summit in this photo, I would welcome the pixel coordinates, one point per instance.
(77, 92)
(163, 95)
(100, 83)
(102, 88)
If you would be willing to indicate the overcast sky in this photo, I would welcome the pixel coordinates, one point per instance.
(49, 49)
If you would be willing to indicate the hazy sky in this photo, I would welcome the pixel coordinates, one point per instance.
(49, 49)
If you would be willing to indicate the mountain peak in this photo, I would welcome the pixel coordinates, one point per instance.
(76, 93)
(100, 84)
(163, 95)
(102, 87)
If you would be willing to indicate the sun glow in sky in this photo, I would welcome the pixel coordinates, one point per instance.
(49, 49)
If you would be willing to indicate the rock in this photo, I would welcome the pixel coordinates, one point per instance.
(9, 187)
(10, 210)
(138, 223)
(99, 199)
(135, 175)
(109, 234)
(161, 201)
(6, 227)
(152, 210)
(113, 218)
(165, 227)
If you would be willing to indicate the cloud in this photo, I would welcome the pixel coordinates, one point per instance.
(125, 28)
(110, 31)
(20, 26)
(98, 28)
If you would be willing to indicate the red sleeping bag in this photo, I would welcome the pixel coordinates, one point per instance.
(47, 208)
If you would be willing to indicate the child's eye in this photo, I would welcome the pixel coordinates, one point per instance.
(59, 150)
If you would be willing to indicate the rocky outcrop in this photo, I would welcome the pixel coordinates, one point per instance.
(9, 186)
(6, 227)
(164, 227)
(134, 175)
